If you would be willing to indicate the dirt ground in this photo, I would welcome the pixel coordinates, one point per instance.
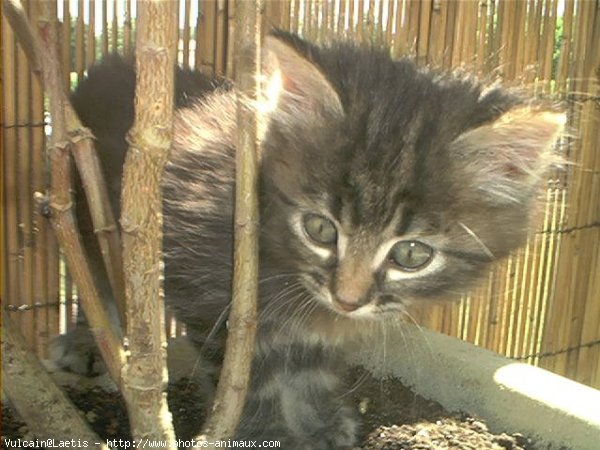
(394, 419)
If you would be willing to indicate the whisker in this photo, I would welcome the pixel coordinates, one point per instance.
(278, 276)
(420, 329)
(299, 315)
(478, 240)
(278, 301)
(355, 385)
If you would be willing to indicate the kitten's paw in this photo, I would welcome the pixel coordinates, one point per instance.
(341, 432)
(76, 352)
(332, 427)
(316, 414)
(345, 430)
(339, 436)
(302, 407)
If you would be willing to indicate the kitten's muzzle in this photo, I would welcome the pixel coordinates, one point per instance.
(348, 306)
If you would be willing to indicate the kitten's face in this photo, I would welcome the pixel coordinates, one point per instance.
(385, 186)
(366, 242)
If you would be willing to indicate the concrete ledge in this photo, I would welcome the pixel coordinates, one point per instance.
(510, 396)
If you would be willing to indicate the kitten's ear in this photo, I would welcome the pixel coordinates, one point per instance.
(296, 85)
(507, 158)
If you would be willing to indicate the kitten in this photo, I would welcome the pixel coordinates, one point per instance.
(382, 185)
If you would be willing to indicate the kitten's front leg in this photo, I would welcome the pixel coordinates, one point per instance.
(297, 399)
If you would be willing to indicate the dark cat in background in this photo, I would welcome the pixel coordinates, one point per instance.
(382, 185)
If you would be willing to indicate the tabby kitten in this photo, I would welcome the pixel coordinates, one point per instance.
(382, 185)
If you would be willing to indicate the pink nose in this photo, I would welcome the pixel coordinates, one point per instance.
(346, 306)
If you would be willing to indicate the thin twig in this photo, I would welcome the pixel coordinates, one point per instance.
(235, 375)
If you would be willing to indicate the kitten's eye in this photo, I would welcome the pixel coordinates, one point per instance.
(411, 255)
(320, 229)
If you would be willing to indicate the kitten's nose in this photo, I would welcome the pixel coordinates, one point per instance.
(349, 303)
(348, 306)
(353, 282)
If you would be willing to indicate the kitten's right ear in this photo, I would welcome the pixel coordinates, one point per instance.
(295, 85)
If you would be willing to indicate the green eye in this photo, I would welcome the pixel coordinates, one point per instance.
(411, 255)
(320, 229)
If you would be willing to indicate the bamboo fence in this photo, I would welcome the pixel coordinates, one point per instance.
(541, 305)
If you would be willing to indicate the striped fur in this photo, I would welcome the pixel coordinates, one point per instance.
(387, 152)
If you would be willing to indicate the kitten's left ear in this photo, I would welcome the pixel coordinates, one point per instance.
(296, 85)
(507, 158)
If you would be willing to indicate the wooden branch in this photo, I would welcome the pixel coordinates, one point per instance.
(145, 374)
(235, 375)
(25, 33)
(62, 218)
(46, 409)
(105, 227)
(86, 159)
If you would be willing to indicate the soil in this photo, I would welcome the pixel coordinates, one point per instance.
(394, 419)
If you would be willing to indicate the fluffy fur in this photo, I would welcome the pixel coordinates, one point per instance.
(382, 185)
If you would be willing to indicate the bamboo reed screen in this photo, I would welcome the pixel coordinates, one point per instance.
(542, 305)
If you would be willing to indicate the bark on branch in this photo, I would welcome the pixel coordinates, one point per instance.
(235, 375)
(145, 374)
